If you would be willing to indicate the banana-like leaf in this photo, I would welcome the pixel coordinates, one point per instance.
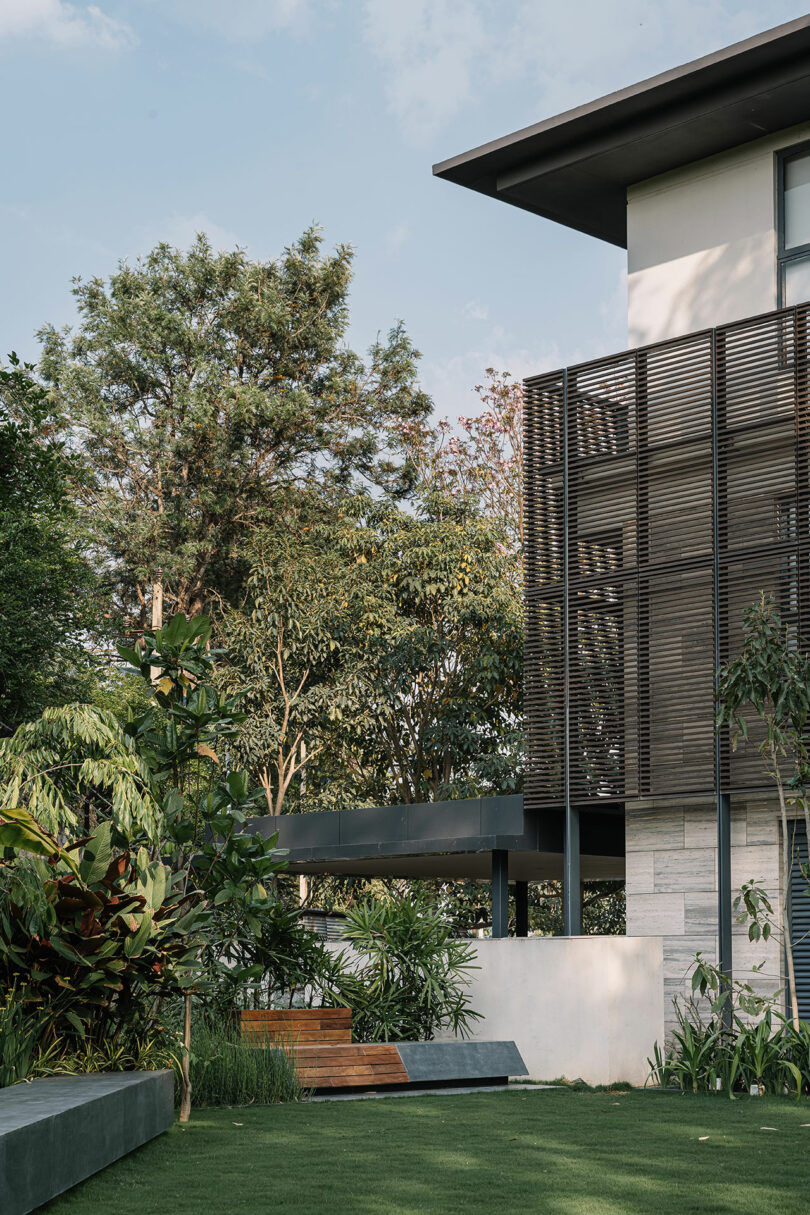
(97, 854)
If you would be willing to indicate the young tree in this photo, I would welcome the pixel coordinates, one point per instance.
(771, 677)
(198, 386)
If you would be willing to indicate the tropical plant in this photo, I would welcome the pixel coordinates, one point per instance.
(109, 937)
(770, 679)
(74, 767)
(268, 961)
(407, 976)
(204, 805)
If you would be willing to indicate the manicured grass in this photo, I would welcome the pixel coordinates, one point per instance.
(556, 1152)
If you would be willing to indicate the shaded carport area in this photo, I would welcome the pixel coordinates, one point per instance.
(490, 839)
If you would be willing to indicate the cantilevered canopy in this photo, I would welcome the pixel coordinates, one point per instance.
(575, 168)
(447, 840)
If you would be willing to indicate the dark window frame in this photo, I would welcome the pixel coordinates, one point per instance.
(800, 253)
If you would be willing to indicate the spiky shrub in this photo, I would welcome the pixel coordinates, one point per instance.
(408, 976)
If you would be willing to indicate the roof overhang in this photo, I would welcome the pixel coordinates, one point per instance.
(576, 168)
(447, 840)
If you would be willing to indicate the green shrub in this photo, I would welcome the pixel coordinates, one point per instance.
(18, 1038)
(226, 1071)
(408, 976)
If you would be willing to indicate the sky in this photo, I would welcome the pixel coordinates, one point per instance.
(128, 122)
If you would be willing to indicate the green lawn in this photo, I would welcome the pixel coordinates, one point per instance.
(559, 1152)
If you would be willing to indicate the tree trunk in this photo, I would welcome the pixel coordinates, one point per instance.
(157, 618)
(185, 1077)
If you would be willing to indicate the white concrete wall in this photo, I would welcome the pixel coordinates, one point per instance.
(702, 242)
(580, 1007)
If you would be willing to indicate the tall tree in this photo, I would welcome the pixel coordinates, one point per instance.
(200, 385)
(400, 635)
(46, 582)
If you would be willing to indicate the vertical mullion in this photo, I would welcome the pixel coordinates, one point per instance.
(719, 533)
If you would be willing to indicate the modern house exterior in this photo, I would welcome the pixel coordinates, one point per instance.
(669, 483)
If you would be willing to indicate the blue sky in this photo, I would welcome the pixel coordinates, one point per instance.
(133, 121)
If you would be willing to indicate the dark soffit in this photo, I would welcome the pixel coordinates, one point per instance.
(575, 168)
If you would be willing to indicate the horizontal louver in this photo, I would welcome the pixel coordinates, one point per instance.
(652, 478)
(799, 912)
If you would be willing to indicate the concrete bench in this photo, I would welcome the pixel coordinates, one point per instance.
(57, 1131)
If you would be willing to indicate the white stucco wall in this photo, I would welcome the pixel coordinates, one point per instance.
(580, 1007)
(702, 242)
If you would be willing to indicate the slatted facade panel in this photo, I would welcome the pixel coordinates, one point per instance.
(665, 488)
(799, 915)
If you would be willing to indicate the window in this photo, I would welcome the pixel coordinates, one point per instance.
(793, 224)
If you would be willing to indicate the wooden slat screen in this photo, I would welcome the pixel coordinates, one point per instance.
(665, 487)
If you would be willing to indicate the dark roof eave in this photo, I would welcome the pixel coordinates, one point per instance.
(575, 168)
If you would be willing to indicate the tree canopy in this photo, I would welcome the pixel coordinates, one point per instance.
(46, 581)
(200, 385)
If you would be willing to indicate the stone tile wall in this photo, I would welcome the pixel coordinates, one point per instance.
(672, 885)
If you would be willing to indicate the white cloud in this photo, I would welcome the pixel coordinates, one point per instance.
(475, 311)
(428, 49)
(242, 20)
(63, 24)
(438, 56)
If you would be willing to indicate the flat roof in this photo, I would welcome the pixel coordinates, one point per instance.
(448, 840)
(575, 168)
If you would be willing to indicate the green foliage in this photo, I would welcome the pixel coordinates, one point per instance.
(407, 978)
(770, 677)
(19, 1033)
(743, 1042)
(227, 1071)
(75, 766)
(410, 688)
(268, 960)
(45, 574)
(109, 936)
(198, 386)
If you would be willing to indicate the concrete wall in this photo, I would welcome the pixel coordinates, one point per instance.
(702, 242)
(672, 886)
(580, 1007)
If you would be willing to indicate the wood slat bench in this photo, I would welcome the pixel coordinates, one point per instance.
(297, 1025)
(322, 1062)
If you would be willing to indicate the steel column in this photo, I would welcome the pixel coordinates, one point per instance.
(572, 877)
(572, 901)
(521, 909)
(500, 892)
(723, 801)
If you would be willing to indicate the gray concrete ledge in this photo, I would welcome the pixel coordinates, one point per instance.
(56, 1132)
(427, 1062)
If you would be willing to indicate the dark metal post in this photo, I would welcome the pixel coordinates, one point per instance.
(724, 893)
(572, 900)
(572, 878)
(500, 892)
(521, 909)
